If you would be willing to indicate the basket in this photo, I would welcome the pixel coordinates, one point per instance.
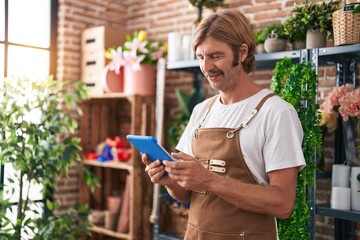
(346, 27)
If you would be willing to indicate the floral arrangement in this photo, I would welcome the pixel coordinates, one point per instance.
(343, 101)
(136, 50)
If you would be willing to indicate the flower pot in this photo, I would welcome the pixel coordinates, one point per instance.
(355, 178)
(141, 81)
(355, 200)
(110, 81)
(315, 39)
(340, 198)
(298, 45)
(340, 175)
(274, 45)
(260, 48)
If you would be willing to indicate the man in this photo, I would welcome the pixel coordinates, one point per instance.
(241, 151)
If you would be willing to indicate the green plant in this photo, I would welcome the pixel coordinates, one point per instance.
(297, 84)
(317, 16)
(210, 4)
(356, 8)
(37, 127)
(261, 35)
(278, 29)
(295, 27)
(187, 102)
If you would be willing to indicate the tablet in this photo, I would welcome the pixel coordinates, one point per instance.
(150, 146)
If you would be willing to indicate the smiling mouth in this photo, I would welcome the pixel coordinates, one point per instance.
(213, 75)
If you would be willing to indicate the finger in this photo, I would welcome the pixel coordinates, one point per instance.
(145, 159)
(182, 156)
(153, 165)
(156, 178)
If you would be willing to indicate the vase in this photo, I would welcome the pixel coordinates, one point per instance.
(141, 81)
(349, 135)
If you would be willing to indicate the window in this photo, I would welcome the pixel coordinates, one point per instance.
(26, 49)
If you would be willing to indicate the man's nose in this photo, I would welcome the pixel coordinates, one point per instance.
(207, 64)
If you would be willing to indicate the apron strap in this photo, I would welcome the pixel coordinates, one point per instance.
(204, 117)
(250, 115)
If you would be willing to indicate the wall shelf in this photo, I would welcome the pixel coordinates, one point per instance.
(326, 210)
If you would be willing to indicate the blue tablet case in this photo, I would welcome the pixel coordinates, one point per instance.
(150, 146)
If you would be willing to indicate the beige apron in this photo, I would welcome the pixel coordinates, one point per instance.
(210, 217)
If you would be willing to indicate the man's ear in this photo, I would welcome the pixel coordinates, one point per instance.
(243, 50)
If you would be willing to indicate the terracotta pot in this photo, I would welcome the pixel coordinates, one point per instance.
(315, 39)
(140, 82)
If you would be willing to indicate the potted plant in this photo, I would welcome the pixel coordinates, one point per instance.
(260, 37)
(317, 19)
(276, 39)
(138, 57)
(36, 128)
(295, 29)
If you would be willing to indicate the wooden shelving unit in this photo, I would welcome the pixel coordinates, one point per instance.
(118, 115)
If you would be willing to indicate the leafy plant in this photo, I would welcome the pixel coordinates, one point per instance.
(210, 4)
(356, 9)
(295, 27)
(261, 35)
(37, 129)
(278, 29)
(297, 84)
(317, 16)
(187, 102)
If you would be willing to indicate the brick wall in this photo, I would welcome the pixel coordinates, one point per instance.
(158, 17)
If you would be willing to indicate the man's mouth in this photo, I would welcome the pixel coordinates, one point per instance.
(213, 74)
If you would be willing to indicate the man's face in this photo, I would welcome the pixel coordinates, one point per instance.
(216, 62)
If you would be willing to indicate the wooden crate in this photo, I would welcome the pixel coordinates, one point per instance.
(118, 115)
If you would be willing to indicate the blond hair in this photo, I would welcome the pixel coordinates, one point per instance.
(231, 27)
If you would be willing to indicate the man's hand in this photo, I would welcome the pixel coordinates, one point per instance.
(188, 172)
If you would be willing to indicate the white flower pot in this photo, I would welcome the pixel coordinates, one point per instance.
(340, 198)
(340, 175)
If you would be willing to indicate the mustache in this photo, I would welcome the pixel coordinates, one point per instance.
(212, 73)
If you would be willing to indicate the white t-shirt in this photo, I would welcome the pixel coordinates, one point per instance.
(271, 140)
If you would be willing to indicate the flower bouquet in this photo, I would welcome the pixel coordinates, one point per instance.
(135, 51)
(135, 62)
(344, 102)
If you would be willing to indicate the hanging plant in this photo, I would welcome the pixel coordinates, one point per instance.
(297, 84)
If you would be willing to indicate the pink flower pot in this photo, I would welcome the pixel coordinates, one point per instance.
(112, 82)
(140, 82)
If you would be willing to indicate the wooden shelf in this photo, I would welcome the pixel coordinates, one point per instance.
(109, 96)
(110, 233)
(109, 164)
(117, 114)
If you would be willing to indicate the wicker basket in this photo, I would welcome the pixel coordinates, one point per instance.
(346, 27)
